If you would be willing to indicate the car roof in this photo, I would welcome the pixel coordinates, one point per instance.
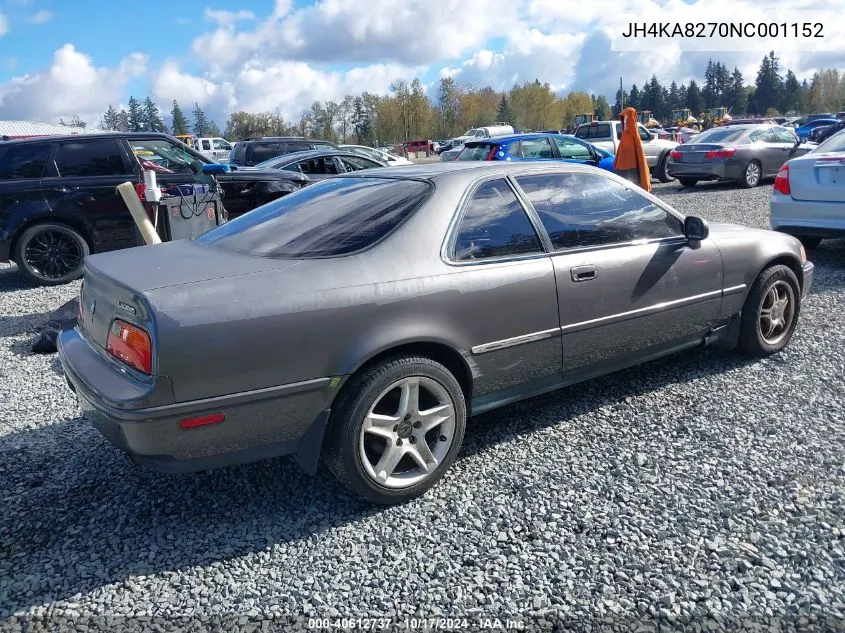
(507, 138)
(80, 137)
(468, 170)
(314, 153)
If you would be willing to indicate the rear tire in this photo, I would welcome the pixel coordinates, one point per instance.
(660, 173)
(51, 254)
(388, 421)
(688, 182)
(810, 242)
(770, 312)
(751, 175)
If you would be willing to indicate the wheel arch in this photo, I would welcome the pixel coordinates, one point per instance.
(791, 262)
(439, 351)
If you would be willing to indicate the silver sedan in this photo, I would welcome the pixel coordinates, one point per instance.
(808, 199)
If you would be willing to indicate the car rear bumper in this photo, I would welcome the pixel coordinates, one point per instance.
(807, 218)
(286, 420)
(704, 171)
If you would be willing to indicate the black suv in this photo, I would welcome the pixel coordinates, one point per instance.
(58, 198)
(255, 150)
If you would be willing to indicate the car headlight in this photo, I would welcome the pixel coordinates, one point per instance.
(803, 255)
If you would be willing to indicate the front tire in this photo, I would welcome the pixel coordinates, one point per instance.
(770, 312)
(396, 429)
(51, 254)
(751, 175)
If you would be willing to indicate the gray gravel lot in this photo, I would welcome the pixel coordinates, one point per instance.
(699, 486)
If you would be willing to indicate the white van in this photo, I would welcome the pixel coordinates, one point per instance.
(477, 133)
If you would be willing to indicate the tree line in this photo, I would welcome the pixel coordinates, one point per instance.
(145, 116)
(408, 113)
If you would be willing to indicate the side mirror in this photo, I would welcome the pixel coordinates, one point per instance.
(696, 229)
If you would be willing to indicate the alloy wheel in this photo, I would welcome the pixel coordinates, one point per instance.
(53, 253)
(752, 174)
(777, 310)
(407, 432)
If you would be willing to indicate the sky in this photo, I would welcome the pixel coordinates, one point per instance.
(61, 58)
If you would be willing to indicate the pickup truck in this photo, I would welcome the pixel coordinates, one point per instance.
(605, 134)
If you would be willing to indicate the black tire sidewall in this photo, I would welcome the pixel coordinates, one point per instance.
(32, 231)
(343, 433)
(750, 339)
(662, 173)
(688, 182)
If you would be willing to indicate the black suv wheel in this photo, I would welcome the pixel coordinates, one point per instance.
(51, 254)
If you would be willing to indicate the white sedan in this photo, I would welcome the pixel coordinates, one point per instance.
(392, 160)
(808, 199)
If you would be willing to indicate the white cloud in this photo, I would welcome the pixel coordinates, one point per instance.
(287, 86)
(4, 24)
(224, 18)
(40, 17)
(72, 85)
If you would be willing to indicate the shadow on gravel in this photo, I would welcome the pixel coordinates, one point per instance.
(80, 515)
(675, 188)
(22, 324)
(12, 279)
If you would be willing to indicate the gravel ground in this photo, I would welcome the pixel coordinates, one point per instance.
(694, 491)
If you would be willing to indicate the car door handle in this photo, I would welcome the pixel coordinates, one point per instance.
(584, 273)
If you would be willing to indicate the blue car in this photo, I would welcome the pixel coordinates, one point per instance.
(540, 146)
(804, 131)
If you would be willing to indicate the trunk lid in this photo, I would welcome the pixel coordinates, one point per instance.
(696, 152)
(818, 177)
(114, 283)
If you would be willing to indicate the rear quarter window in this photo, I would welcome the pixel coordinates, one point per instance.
(263, 151)
(23, 161)
(339, 216)
(476, 151)
(102, 157)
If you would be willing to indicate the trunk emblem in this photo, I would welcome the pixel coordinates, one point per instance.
(127, 307)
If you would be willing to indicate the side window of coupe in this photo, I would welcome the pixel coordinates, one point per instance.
(591, 210)
(536, 148)
(494, 224)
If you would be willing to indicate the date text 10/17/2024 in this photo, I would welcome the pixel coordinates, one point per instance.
(723, 29)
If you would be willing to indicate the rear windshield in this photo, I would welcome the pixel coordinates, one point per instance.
(723, 135)
(338, 216)
(835, 143)
(476, 151)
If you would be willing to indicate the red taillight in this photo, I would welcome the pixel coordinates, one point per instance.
(492, 154)
(203, 420)
(675, 154)
(721, 153)
(130, 344)
(782, 181)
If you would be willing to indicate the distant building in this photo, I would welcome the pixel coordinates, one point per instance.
(24, 129)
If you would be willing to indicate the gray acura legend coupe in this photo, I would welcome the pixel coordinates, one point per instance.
(364, 318)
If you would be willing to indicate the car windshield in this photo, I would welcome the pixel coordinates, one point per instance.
(719, 135)
(164, 156)
(476, 151)
(835, 143)
(334, 217)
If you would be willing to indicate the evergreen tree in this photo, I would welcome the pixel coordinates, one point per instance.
(122, 121)
(695, 101)
(180, 123)
(110, 119)
(634, 98)
(152, 117)
(360, 120)
(621, 102)
(708, 93)
(602, 108)
(504, 113)
(201, 124)
(768, 86)
(213, 130)
(737, 97)
(723, 83)
(136, 116)
(673, 101)
(790, 96)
